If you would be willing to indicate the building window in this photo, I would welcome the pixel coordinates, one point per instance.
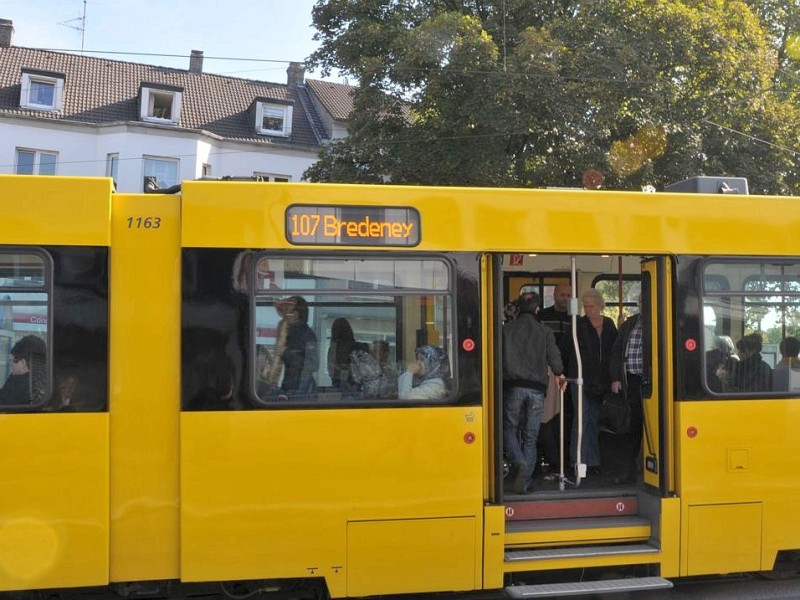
(112, 167)
(206, 171)
(160, 106)
(271, 177)
(274, 119)
(35, 162)
(41, 92)
(163, 171)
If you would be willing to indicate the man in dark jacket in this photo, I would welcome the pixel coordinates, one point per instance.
(529, 347)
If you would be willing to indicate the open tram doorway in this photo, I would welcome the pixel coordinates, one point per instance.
(614, 462)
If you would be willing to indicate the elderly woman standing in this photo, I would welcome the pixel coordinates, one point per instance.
(596, 335)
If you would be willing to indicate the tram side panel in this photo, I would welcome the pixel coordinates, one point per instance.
(54, 516)
(375, 496)
(736, 437)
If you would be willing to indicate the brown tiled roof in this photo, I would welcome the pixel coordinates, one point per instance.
(336, 98)
(99, 90)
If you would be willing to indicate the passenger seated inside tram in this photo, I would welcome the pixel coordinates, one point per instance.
(751, 373)
(721, 363)
(26, 383)
(426, 377)
(786, 375)
(343, 345)
(372, 373)
(211, 382)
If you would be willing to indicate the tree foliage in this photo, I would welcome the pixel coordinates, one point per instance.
(540, 93)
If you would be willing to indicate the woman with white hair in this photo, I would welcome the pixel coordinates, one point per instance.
(596, 335)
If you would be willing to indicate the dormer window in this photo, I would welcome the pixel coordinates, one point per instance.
(274, 119)
(161, 105)
(41, 90)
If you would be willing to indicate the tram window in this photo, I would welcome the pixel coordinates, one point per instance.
(24, 318)
(749, 308)
(356, 326)
(608, 285)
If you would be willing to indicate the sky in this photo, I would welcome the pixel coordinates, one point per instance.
(268, 32)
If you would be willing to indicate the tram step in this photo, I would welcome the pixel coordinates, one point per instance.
(605, 586)
(572, 508)
(579, 552)
(556, 532)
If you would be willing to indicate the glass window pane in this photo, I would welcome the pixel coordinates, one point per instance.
(47, 163)
(25, 162)
(165, 171)
(21, 271)
(356, 331)
(42, 93)
(352, 274)
(272, 118)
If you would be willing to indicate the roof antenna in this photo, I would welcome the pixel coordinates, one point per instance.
(81, 27)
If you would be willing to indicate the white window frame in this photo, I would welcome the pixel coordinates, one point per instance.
(149, 98)
(274, 177)
(161, 159)
(112, 166)
(285, 111)
(37, 160)
(28, 79)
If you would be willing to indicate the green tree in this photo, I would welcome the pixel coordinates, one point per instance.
(538, 93)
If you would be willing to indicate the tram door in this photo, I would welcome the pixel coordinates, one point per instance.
(657, 397)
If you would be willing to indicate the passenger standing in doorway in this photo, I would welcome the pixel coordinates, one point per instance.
(529, 348)
(557, 318)
(596, 335)
(628, 359)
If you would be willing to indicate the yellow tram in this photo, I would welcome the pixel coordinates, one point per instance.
(169, 449)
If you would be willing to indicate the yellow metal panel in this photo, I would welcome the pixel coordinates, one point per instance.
(643, 223)
(144, 401)
(670, 537)
(270, 493)
(493, 545)
(70, 211)
(724, 538)
(53, 500)
(413, 555)
(561, 537)
(759, 435)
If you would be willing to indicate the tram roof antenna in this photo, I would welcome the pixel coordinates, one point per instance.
(81, 27)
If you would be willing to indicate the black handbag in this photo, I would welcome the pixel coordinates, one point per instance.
(615, 414)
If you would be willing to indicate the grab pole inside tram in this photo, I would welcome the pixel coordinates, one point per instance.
(580, 466)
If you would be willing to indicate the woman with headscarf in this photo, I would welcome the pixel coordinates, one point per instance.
(426, 377)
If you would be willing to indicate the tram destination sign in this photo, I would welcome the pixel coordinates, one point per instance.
(328, 225)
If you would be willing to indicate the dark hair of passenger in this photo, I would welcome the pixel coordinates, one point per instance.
(790, 347)
(29, 347)
(343, 340)
(341, 331)
(211, 383)
(750, 344)
(529, 303)
(301, 307)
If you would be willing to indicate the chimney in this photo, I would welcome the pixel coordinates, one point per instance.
(6, 33)
(196, 62)
(295, 74)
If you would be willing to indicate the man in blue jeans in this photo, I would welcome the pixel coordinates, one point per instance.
(529, 347)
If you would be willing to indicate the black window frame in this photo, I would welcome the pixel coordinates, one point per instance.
(453, 396)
